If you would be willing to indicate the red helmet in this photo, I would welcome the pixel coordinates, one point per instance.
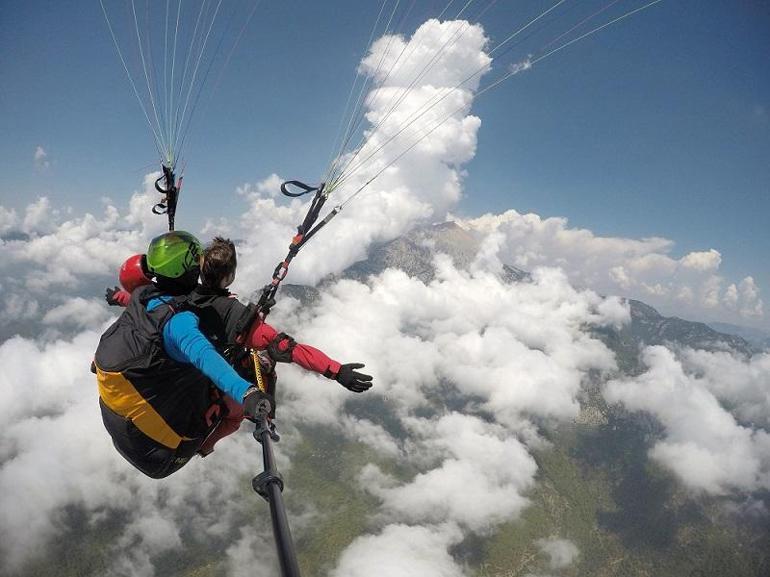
(132, 273)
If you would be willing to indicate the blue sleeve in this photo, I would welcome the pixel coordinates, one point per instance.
(185, 343)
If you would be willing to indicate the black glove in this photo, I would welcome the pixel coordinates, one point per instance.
(353, 380)
(109, 296)
(256, 403)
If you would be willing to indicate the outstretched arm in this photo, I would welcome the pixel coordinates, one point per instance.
(283, 348)
(263, 335)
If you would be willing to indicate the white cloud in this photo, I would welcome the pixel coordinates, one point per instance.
(42, 405)
(741, 384)
(751, 304)
(620, 277)
(702, 261)
(731, 297)
(704, 445)
(39, 217)
(422, 185)
(270, 186)
(371, 434)
(472, 454)
(561, 552)
(685, 295)
(402, 551)
(459, 44)
(68, 254)
(41, 158)
(217, 227)
(78, 312)
(507, 351)
(710, 292)
(145, 537)
(517, 67)
(252, 555)
(8, 220)
(517, 348)
(687, 286)
(18, 307)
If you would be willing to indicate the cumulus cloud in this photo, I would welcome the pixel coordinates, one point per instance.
(704, 444)
(507, 354)
(745, 390)
(78, 312)
(402, 551)
(730, 297)
(702, 261)
(65, 252)
(472, 454)
(637, 268)
(41, 158)
(422, 185)
(249, 555)
(270, 186)
(561, 552)
(144, 538)
(515, 348)
(508, 351)
(8, 220)
(40, 217)
(750, 303)
(54, 256)
(17, 307)
(459, 43)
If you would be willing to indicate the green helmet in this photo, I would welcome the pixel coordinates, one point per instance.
(173, 254)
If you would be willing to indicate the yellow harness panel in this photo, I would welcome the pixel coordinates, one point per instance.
(121, 396)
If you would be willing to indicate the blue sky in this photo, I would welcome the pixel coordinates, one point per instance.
(658, 126)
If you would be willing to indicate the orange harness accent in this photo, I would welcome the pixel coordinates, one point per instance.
(121, 396)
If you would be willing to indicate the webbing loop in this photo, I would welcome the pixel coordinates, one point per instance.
(304, 188)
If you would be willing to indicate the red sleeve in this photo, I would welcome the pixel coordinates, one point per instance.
(305, 356)
(260, 336)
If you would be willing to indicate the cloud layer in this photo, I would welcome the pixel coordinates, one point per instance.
(508, 355)
(687, 286)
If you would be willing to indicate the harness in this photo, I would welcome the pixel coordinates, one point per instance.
(165, 399)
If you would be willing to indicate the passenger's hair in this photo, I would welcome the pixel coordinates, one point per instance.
(219, 262)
